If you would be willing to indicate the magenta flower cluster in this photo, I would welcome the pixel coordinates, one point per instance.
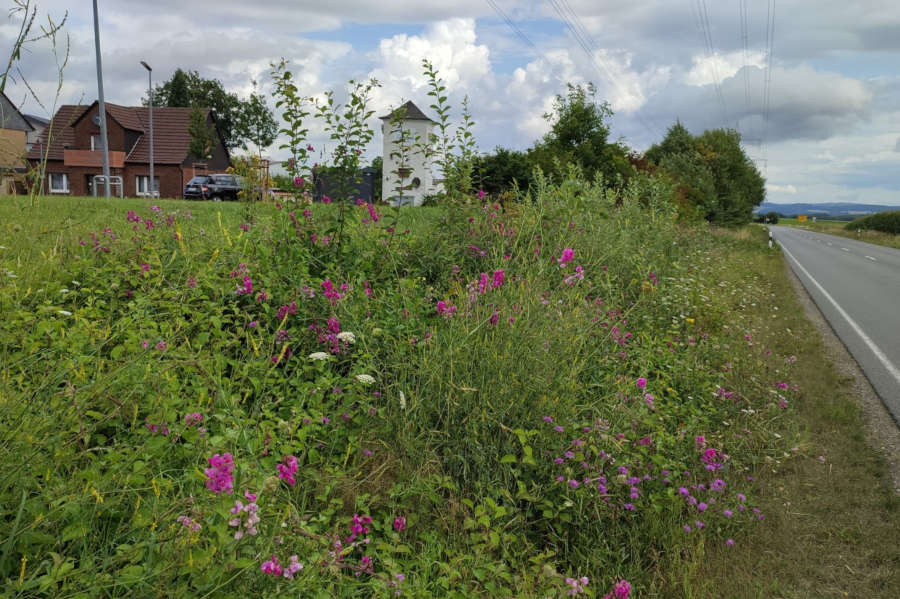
(287, 469)
(620, 590)
(274, 568)
(220, 474)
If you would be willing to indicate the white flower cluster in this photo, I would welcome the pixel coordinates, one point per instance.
(319, 355)
(365, 379)
(346, 337)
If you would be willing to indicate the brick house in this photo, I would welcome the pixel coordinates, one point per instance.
(75, 150)
(14, 129)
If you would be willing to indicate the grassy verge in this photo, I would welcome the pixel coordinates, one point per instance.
(836, 227)
(832, 517)
(471, 401)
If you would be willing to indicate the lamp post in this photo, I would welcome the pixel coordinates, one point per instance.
(100, 98)
(150, 104)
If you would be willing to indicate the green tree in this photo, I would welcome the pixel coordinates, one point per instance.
(502, 170)
(714, 174)
(378, 165)
(187, 89)
(579, 135)
(256, 124)
(177, 90)
(203, 135)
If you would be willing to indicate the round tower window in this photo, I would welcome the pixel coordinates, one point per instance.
(415, 183)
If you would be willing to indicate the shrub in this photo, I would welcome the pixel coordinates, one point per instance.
(886, 222)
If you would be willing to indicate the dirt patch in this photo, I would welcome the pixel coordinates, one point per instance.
(881, 430)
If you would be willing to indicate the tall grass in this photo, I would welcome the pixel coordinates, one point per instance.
(585, 392)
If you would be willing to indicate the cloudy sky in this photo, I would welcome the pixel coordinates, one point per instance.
(820, 113)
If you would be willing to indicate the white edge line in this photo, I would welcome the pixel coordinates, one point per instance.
(871, 258)
(889, 366)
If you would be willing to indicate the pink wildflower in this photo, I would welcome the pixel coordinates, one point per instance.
(577, 585)
(288, 469)
(272, 567)
(620, 590)
(220, 473)
(566, 257)
(445, 310)
(399, 523)
(293, 567)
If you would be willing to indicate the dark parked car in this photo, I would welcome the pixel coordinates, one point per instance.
(213, 187)
(224, 187)
(197, 188)
(219, 187)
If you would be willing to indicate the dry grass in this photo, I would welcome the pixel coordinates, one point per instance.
(832, 523)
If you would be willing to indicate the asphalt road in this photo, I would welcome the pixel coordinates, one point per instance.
(857, 287)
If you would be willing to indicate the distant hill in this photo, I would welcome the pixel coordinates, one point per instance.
(839, 210)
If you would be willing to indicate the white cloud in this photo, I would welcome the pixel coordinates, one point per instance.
(706, 69)
(781, 188)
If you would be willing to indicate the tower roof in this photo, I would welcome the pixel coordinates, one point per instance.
(410, 112)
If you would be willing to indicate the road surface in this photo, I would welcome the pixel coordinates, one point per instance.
(857, 287)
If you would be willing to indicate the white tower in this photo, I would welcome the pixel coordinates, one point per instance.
(412, 171)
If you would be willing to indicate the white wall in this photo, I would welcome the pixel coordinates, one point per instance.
(421, 167)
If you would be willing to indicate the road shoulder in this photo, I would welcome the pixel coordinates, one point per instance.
(881, 430)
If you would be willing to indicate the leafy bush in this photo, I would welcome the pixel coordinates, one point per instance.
(886, 222)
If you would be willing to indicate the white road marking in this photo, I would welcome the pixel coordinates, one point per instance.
(871, 258)
(885, 361)
(845, 249)
(829, 243)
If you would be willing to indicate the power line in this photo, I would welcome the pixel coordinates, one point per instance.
(584, 39)
(744, 9)
(767, 86)
(706, 32)
(521, 34)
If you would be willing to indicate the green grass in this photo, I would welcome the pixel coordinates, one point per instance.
(831, 525)
(99, 350)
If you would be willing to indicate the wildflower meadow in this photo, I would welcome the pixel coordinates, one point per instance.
(548, 398)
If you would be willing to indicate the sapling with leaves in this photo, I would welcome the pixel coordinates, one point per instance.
(347, 126)
(406, 143)
(452, 151)
(26, 36)
(441, 147)
(463, 164)
(294, 110)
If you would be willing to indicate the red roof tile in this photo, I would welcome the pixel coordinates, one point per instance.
(171, 138)
(63, 134)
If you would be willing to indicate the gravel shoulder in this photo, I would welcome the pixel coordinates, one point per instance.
(881, 430)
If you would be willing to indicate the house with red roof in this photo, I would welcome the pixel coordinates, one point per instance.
(72, 145)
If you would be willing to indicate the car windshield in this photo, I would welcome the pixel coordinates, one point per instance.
(198, 180)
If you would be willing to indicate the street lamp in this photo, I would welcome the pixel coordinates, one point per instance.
(101, 100)
(150, 104)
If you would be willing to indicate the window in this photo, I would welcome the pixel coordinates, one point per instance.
(96, 142)
(59, 182)
(142, 183)
(224, 180)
